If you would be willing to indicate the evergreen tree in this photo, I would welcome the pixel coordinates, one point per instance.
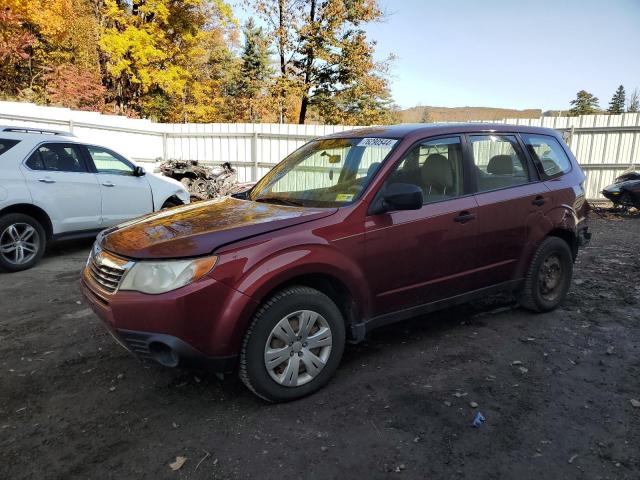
(255, 72)
(584, 104)
(617, 103)
(634, 102)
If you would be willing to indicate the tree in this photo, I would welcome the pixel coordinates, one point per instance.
(584, 104)
(15, 49)
(326, 60)
(254, 75)
(633, 105)
(335, 62)
(617, 103)
(163, 56)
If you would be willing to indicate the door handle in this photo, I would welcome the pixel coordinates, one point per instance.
(464, 217)
(539, 201)
(46, 180)
(109, 184)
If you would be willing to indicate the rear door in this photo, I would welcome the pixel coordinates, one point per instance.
(510, 200)
(59, 181)
(419, 256)
(124, 195)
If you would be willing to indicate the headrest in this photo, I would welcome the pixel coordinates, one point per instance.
(500, 165)
(436, 172)
(373, 168)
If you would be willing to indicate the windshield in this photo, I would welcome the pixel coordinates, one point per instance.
(324, 173)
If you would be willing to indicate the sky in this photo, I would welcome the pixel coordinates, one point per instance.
(509, 54)
(506, 53)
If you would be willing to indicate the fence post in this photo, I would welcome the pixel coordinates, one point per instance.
(254, 156)
(164, 146)
(71, 125)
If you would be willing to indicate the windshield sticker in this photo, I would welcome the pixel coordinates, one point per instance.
(377, 142)
(344, 197)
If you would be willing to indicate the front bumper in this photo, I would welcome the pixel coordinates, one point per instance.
(201, 323)
(170, 351)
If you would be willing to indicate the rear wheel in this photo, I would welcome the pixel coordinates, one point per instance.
(22, 242)
(293, 346)
(549, 276)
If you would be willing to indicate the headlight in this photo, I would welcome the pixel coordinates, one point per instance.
(164, 276)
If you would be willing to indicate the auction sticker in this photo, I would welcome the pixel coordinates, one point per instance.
(377, 142)
(344, 197)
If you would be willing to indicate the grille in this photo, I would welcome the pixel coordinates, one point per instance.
(107, 276)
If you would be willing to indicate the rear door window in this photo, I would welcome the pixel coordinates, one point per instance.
(6, 144)
(548, 155)
(499, 162)
(57, 157)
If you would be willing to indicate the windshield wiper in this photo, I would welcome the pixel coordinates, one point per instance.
(280, 200)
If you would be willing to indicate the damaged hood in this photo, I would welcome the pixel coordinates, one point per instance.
(200, 228)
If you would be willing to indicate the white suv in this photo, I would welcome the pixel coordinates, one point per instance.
(54, 186)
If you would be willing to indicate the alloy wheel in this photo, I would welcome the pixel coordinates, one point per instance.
(298, 348)
(19, 243)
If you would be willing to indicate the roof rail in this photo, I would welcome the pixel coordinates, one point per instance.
(36, 130)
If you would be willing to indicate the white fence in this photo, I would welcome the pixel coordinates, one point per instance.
(605, 145)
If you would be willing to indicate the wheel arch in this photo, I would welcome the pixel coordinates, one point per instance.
(568, 236)
(33, 211)
(330, 285)
(173, 198)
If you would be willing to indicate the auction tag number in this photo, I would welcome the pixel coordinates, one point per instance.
(377, 142)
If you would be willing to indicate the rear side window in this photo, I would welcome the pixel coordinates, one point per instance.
(548, 155)
(499, 162)
(6, 144)
(57, 157)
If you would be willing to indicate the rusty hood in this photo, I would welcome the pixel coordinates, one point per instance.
(200, 228)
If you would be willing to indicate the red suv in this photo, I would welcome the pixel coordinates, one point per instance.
(348, 233)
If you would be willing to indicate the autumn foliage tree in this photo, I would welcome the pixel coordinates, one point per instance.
(326, 60)
(185, 60)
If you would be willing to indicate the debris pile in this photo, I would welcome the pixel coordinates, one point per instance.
(204, 182)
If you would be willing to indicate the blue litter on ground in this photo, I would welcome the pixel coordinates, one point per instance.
(479, 420)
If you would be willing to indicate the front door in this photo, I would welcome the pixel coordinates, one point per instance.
(124, 195)
(419, 256)
(60, 182)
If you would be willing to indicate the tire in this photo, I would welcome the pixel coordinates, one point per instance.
(289, 366)
(20, 233)
(549, 276)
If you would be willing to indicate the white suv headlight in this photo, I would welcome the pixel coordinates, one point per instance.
(163, 276)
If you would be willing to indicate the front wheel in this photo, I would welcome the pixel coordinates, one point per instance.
(293, 346)
(549, 276)
(22, 242)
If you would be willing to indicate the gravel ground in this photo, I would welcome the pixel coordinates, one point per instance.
(556, 390)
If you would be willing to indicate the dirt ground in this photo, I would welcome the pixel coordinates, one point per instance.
(555, 390)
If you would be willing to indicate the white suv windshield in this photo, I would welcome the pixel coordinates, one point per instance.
(324, 173)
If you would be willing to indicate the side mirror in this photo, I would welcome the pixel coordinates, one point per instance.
(139, 171)
(399, 196)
